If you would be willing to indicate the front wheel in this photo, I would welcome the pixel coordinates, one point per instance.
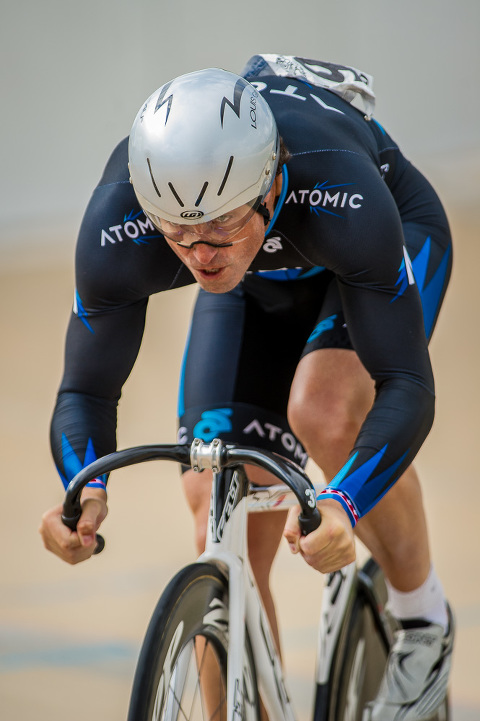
(182, 669)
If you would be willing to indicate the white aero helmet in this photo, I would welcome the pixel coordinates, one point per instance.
(201, 146)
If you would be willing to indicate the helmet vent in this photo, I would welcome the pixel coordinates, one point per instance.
(177, 197)
(202, 193)
(225, 177)
(153, 179)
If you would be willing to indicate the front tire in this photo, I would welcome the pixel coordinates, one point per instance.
(182, 669)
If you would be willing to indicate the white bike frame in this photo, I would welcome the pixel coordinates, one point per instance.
(226, 547)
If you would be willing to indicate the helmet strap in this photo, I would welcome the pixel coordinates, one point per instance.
(265, 213)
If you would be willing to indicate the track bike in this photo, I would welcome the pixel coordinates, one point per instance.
(209, 652)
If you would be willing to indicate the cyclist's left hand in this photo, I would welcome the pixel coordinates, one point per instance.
(331, 546)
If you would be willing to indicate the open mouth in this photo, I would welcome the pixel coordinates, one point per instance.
(209, 271)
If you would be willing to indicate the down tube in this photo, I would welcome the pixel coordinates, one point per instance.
(270, 678)
(226, 546)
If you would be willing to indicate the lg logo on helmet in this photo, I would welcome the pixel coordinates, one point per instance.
(192, 214)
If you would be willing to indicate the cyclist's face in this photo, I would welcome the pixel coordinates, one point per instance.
(218, 269)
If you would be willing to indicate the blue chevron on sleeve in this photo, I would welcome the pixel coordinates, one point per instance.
(343, 472)
(361, 485)
(80, 311)
(352, 483)
(72, 463)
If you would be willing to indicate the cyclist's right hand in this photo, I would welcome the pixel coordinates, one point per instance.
(331, 546)
(79, 545)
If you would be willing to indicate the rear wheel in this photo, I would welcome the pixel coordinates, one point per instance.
(182, 668)
(363, 650)
(361, 655)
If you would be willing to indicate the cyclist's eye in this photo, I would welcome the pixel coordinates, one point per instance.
(222, 219)
(175, 230)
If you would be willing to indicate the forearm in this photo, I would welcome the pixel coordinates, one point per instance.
(388, 441)
(83, 428)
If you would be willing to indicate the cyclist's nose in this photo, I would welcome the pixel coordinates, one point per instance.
(204, 253)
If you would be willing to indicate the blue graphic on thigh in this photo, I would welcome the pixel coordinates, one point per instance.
(405, 275)
(213, 423)
(431, 292)
(325, 324)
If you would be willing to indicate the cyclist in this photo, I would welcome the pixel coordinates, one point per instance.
(322, 257)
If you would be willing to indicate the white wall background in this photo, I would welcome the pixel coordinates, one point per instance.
(75, 73)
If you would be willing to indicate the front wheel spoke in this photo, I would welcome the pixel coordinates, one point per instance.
(177, 686)
(193, 684)
(202, 656)
(178, 693)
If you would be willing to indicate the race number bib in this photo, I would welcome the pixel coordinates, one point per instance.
(344, 80)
